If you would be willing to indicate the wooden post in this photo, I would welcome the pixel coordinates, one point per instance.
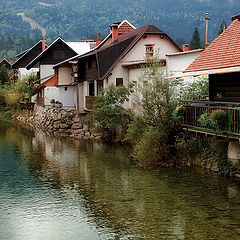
(207, 19)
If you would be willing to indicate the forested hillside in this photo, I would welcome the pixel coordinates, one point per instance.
(80, 19)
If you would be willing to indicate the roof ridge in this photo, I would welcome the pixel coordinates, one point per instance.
(212, 57)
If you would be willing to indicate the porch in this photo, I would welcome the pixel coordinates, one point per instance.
(230, 126)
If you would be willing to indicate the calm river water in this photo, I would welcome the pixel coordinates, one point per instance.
(52, 188)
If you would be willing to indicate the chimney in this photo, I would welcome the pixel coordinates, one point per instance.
(98, 41)
(11, 61)
(114, 29)
(185, 47)
(43, 45)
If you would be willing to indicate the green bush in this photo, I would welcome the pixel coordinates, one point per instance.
(136, 129)
(178, 112)
(152, 149)
(206, 152)
(110, 117)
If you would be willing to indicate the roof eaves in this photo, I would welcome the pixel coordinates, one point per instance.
(25, 53)
(122, 55)
(33, 62)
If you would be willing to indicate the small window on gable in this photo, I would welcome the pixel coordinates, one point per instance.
(119, 82)
(149, 50)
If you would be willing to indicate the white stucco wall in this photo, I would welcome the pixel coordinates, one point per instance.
(46, 70)
(50, 93)
(64, 75)
(23, 71)
(63, 94)
(162, 46)
(66, 96)
(176, 64)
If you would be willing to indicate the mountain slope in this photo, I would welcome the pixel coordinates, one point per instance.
(85, 18)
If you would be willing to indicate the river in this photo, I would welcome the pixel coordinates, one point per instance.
(55, 188)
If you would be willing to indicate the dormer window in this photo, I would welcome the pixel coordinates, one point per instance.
(149, 51)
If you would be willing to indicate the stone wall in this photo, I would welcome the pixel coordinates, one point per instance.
(63, 121)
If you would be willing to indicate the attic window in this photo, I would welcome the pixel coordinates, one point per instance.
(149, 50)
(119, 82)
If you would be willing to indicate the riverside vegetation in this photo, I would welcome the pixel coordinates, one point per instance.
(154, 131)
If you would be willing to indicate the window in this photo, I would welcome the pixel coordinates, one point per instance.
(119, 82)
(149, 51)
(65, 89)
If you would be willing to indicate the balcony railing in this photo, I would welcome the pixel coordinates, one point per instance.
(229, 128)
(90, 102)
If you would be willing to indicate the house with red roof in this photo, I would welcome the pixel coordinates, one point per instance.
(120, 62)
(221, 62)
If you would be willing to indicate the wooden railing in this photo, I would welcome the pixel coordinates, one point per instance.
(194, 109)
(90, 102)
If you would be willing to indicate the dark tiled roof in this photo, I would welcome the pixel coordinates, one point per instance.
(224, 51)
(27, 56)
(110, 55)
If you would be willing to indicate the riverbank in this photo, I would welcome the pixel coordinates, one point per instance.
(60, 121)
(186, 150)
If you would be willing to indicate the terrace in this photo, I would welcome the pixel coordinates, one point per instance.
(229, 127)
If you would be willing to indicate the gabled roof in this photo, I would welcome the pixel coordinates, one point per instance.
(123, 27)
(21, 53)
(223, 52)
(43, 54)
(30, 53)
(109, 56)
(6, 63)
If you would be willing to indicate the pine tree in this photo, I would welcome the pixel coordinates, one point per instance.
(223, 27)
(196, 41)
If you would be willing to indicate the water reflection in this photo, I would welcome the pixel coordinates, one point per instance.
(60, 189)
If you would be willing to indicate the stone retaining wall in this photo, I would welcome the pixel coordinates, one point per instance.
(59, 120)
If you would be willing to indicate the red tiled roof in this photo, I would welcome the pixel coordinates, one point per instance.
(124, 28)
(224, 51)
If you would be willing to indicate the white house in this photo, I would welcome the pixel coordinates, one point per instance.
(54, 84)
(120, 62)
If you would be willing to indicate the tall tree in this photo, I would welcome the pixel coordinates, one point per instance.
(222, 27)
(196, 41)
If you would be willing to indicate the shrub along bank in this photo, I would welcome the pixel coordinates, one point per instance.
(154, 130)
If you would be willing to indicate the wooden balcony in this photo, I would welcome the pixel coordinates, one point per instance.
(90, 102)
(230, 127)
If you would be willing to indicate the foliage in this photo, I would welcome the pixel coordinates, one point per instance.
(223, 27)
(4, 76)
(157, 99)
(84, 19)
(52, 100)
(109, 113)
(153, 143)
(153, 149)
(213, 119)
(12, 44)
(197, 89)
(12, 98)
(207, 152)
(195, 42)
(204, 120)
(178, 112)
